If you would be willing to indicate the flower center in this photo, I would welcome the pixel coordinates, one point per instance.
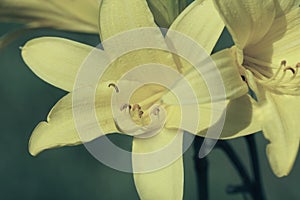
(284, 79)
(134, 118)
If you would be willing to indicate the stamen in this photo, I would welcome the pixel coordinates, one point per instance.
(291, 69)
(156, 111)
(124, 106)
(278, 82)
(136, 106)
(115, 86)
(141, 113)
(283, 63)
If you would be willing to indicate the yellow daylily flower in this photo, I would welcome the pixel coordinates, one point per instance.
(151, 107)
(267, 45)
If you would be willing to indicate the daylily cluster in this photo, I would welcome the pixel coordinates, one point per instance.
(265, 54)
(58, 61)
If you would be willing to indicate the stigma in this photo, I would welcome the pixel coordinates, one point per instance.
(114, 86)
(133, 120)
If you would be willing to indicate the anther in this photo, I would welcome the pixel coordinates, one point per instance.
(291, 69)
(298, 65)
(156, 111)
(141, 113)
(114, 85)
(124, 106)
(283, 63)
(136, 106)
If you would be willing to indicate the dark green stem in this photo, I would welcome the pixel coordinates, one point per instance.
(250, 186)
(201, 165)
(257, 182)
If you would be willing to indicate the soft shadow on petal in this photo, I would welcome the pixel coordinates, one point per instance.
(283, 6)
(243, 117)
(282, 41)
(248, 20)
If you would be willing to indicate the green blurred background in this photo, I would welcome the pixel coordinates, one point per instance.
(71, 172)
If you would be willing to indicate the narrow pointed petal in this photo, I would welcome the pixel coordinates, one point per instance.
(166, 182)
(281, 128)
(133, 28)
(222, 69)
(62, 127)
(201, 22)
(281, 43)
(239, 117)
(57, 60)
(247, 21)
(117, 16)
(80, 16)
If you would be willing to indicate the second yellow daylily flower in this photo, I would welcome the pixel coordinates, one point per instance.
(151, 107)
(267, 44)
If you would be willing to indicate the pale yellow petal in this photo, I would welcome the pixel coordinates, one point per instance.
(71, 15)
(247, 21)
(58, 60)
(117, 16)
(153, 153)
(281, 43)
(136, 37)
(201, 22)
(241, 116)
(72, 121)
(281, 128)
(219, 74)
